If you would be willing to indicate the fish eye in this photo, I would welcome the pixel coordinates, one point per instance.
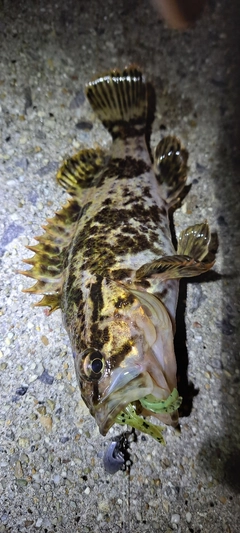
(93, 364)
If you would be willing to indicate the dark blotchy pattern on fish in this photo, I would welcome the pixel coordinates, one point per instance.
(124, 168)
(107, 260)
(100, 243)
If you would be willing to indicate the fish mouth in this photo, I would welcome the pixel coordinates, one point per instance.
(128, 387)
(132, 385)
(119, 396)
(144, 385)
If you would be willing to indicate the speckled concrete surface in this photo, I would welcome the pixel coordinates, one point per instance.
(52, 478)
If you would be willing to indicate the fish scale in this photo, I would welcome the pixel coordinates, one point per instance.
(108, 261)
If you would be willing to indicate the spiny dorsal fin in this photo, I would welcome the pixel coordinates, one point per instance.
(79, 171)
(119, 99)
(49, 300)
(50, 254)
(48, 264)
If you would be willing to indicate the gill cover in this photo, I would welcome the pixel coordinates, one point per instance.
(161, 358)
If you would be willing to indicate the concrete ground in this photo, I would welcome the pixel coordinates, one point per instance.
(52, 476)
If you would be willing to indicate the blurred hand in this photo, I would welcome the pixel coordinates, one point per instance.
(179, 14)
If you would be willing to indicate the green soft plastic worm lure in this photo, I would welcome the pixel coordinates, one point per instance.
(171, 404)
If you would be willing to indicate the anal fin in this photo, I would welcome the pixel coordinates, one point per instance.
(170, 166)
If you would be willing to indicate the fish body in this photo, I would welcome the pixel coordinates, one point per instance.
(108, 261)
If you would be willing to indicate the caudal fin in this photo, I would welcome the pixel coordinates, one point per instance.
(119, 99)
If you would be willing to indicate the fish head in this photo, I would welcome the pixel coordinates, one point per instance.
(134, 358)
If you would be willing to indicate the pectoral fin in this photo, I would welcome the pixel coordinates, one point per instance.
(194, 241)
(193, 247)
(173, 267)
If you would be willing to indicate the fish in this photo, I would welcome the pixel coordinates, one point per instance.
(107, 260)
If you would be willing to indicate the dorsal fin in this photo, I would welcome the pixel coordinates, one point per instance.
(48, 264)
(119, 99)
(50, 254)
(78, 172)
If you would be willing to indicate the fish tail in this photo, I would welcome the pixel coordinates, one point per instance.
(119, 99)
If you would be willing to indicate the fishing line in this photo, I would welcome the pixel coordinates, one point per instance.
(118, 457)
(127, 522)
(130, 436)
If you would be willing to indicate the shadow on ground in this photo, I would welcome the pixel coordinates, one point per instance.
(222, 457)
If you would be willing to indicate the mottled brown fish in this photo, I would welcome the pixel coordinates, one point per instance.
(107, 260)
